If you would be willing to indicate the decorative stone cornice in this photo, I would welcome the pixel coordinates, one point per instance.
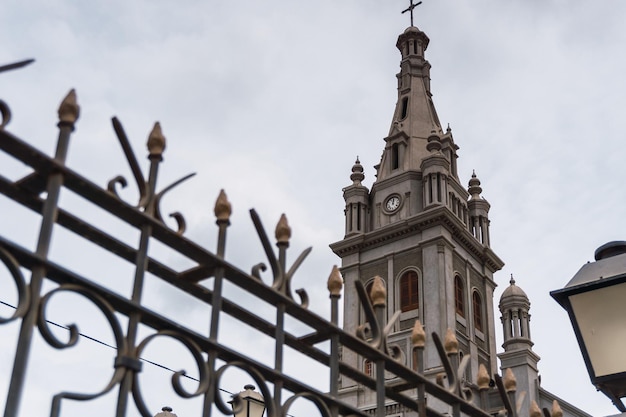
(355, 190)
(397, 179)
(397, 137)
(437, 216)
(519, 357)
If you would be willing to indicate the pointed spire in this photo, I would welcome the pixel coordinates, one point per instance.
(415, 116)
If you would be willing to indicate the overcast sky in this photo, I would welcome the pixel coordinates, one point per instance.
(273, 101)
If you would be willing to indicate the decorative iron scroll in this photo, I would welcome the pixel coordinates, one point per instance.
(212, 358)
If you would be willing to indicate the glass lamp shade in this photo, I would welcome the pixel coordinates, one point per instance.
(601, 319)
(252, 403)
(595, 300)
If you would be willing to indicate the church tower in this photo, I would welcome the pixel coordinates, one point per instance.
(421, 231)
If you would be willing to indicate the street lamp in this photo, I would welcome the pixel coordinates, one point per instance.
(252, 403)
(595, 300)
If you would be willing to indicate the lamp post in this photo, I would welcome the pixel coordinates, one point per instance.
(251, 405)
(595, 300)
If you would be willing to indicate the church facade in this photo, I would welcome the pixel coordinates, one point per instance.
(426, 236)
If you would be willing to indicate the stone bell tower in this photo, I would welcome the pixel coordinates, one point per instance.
(421, 231)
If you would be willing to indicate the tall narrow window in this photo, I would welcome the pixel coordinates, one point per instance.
(395, 156)
(439, 187)
(459, 296)
(430, 188)
(405, 107)
(477, 308)
(368, 367)
(349, 224)
(409, 292)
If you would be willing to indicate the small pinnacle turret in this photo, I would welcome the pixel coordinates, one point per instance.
(356, 196)
(514, 306)
(478, 211)
(357, 172)
(518, 354)
(474, 187)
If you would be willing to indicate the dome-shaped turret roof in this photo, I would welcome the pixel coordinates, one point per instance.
(513, 291)
(514, 297)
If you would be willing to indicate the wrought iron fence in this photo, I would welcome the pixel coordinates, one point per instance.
(39, 191)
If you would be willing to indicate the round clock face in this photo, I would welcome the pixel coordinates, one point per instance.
(392, 203)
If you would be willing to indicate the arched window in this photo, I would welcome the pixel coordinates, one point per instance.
(477, 308)
(409, 292)
(368, 367)
(459, 296)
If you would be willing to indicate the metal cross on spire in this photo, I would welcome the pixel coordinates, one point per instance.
(410, 9)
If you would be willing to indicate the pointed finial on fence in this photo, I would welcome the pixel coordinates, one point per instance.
(450, 343)
(510, 383)
(556, 409)
(156, 141)
(439, 378)
(418, 337)
(335, 282)
(482, 379)
(223, 208)
(69, 110)
(535, 411)
(283, 231)
(378, 293)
